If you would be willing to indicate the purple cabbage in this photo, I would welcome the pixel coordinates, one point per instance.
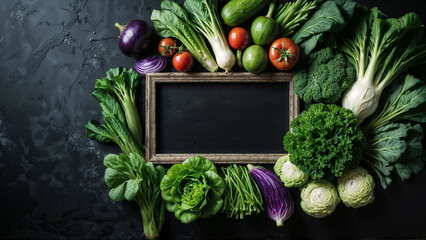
(279, 203)
(151, 64)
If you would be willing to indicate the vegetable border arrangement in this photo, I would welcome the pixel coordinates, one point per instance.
(363, 115)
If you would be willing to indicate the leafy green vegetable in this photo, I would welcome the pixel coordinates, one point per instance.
(380, 48)
(395, 147)
(290, 15)
(289, 174)
(205, 18)
(325, 78)
(394, 144)
(173, 21)
(405, 101)
(130, 177)
(242, 196)
(116, 95)
(331, 16)
(356, 187)
(319, 198)
(193, 189)
(325, 141)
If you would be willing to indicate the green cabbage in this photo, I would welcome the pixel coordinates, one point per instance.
(319, 198)
(193, 189)
(356, 188)
(289, 174)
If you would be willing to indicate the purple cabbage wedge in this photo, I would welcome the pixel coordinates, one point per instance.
(151, 64)
(279, 203)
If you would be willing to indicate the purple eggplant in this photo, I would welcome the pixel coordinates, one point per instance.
(134, 38)
(279, 203)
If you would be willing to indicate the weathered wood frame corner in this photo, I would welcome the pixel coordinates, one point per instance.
(152, 80)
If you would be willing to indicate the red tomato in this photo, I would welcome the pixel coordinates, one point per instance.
(167, 47)
(183, 61)
(284, 54)
(239, 38)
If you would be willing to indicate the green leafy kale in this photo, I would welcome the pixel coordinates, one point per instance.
(325, 78)
(325, 141)
(193, 189)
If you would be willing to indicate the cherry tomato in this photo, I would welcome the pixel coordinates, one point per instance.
(183, 61)
(239, 38)
(167, 47)
(284, 54)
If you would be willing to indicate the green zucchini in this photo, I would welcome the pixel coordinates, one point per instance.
(236, 12)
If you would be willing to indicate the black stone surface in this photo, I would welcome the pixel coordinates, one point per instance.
(51, 175)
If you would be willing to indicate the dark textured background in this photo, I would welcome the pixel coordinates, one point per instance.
(51, 175)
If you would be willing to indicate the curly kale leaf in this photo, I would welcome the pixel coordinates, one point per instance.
(327, 76)
(325, 141)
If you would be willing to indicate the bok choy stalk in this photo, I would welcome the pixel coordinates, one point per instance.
(173, 21)
(380, 48)
(116, 95)
(203, 14)
(128, 175)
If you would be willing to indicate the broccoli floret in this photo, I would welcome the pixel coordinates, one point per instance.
(326, 77)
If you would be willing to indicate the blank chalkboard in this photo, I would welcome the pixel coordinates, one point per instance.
(227, 118)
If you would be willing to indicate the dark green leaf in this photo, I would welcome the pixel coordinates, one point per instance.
(110, 107)
(187, 216)
(212, 208)
(134, 79)
(113, 161)
(217, 185)
(132, 188)
(166, 188)
(117, 194)
(104, 84)
(200, 164)
(114, 178)
(119, 128)
(99, 133)
(332, 16)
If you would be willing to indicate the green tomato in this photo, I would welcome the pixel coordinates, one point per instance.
(255, 59)
(319, 198)
(289, 174)
(356, 187)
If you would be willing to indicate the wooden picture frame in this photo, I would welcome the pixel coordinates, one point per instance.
(152, 81)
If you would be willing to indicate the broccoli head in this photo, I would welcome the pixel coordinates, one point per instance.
(325, 78)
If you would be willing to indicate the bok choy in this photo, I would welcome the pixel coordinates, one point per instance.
(380, 48)
(203, 14)
(173, 21)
